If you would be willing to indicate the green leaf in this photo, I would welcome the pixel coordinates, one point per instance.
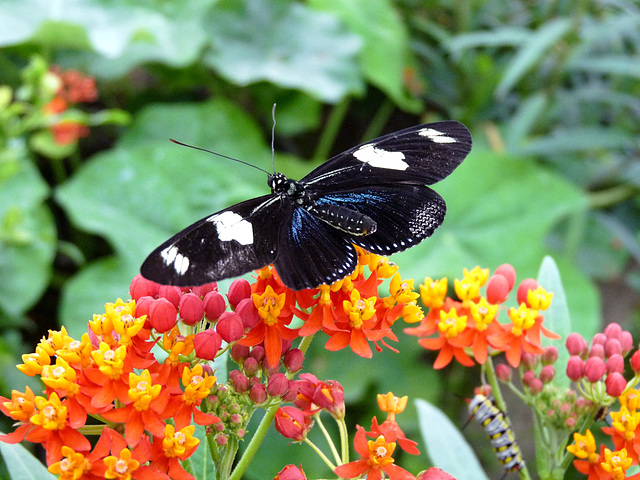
(625, 65)
(446, 447)
(386, 51)
(532, 52)
(284, 43)
(498, 37)
(201, 460)
(22, 464)
(579, 139)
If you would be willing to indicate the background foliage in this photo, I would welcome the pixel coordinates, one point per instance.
(550, 91)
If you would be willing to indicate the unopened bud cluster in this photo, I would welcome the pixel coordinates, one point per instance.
(602, 360)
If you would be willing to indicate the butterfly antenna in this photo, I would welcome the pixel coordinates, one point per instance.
(273, 136)
(219, 155)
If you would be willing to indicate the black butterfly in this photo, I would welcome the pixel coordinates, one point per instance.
(373, 195)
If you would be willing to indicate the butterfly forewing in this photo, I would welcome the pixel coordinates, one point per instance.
(424, 154)
(226, 244)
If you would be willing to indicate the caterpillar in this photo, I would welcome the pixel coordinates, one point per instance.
(498, 431)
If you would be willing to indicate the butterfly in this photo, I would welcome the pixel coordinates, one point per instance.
(374, 195)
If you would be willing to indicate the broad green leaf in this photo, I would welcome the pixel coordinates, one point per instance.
(531, 52)
(446, 447)
(579, 139)
(386, 52)
(284, 43)
(625, 65)
(498, 37)
(22, 464)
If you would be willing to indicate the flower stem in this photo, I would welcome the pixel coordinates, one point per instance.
(320, 454)
(255, 443)
(332, 446)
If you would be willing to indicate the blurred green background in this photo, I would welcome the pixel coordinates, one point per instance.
(550, 91)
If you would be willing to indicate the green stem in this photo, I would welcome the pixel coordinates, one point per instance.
(344, 440)
(255, 443)
(223, 467)
(327, 437)
(320, 454)
(331, 129)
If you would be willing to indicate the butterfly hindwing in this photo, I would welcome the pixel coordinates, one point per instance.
(312, 252)
(424, 154)
(404, 214)
(226, 244)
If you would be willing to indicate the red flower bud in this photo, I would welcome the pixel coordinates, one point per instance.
(170, 293)
(615, 384)
(529, 360)
(536, 386)
(612, 347)
(635, 361)
(503, 372)
(293, 360)
(292, 423)
(434, 473)
(278, 384)
(292, 392)
(291, 472)
(230, 327)
(214, 305)
(613, 330)
(547, 373)
(626, 341)
(191, 308)
(202, 290)
(594, 369)
(258, 353)
(239, 353)
(597, 351)
(599, 339)
(497, 289)
(141, 287)
(162, 315)
(575, 368)
(207, 344)
(508, 272)
(251, 366)
(615, 363)
(525, 286)
(240, 381)
(550, 355)
(248, 312)
(576, 344)
(238, 290)
(258, 393)
(528, 377)
(330, 396)
(142, 306)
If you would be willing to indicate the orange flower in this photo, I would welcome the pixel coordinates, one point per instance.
(454, 338)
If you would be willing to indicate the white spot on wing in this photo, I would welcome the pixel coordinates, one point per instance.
(172, 256)
(436, 136)
(232, 226)
(379, 158)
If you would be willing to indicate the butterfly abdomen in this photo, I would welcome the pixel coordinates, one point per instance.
(345, 219)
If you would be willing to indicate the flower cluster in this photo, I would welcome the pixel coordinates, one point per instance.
(467, 328)
(71, 87)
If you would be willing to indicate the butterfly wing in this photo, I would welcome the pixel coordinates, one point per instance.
(312, 253)
(226, 244)
(424, 154)
(404, 214)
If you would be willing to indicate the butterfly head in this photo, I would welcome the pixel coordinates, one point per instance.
(279, 183)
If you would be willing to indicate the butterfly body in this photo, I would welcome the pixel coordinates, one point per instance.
(374, 195)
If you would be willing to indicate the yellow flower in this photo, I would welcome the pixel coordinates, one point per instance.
(625, 422)
(433, 292)
(392, 405)
(177, 444)
(476, 275)
(380, 452)
(359, 310)
(33, 362)
(72, 466)
(196, 385)
(584, 446)
(50, 413)
(451, 324)
(523, 318)
(402, 290)
(141, 391)
(269, 305)
(60, 377)
(616, 463)
(110, 362)
(121, 467)
(539, 299)
(412, 313)
(483, 313)
(176, 344)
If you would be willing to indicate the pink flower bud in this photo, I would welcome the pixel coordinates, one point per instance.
(613, 330)
(612, 347)
(207, 344)
(141, 287)
(258, 393)
(575, 368)
(550, 355)
(529, 361)
(594, 369)
(238, 290)
(230, 327)
(536, 386)
(291, 472)
(626, 341)
(251, 366)
(239, 353)
(292, 423)
(503, 372)
(214, 305)
(202, 290)
(277, 385)
(576, 344)
(528, 377)
(497, 289)
(508, 272)
(547, 373)
(162, 315)
(599, 339)
(292, 392)
(240, 381)
(615, 363)
(258, 353)
(248, 312)
(635, 361)
(170, 293)
(597, 351)
(142, 306)
(615, 384)
(293, 360)
(435, 473)
(526, 285)
(191, 308)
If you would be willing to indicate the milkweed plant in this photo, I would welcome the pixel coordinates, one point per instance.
(140, 395)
